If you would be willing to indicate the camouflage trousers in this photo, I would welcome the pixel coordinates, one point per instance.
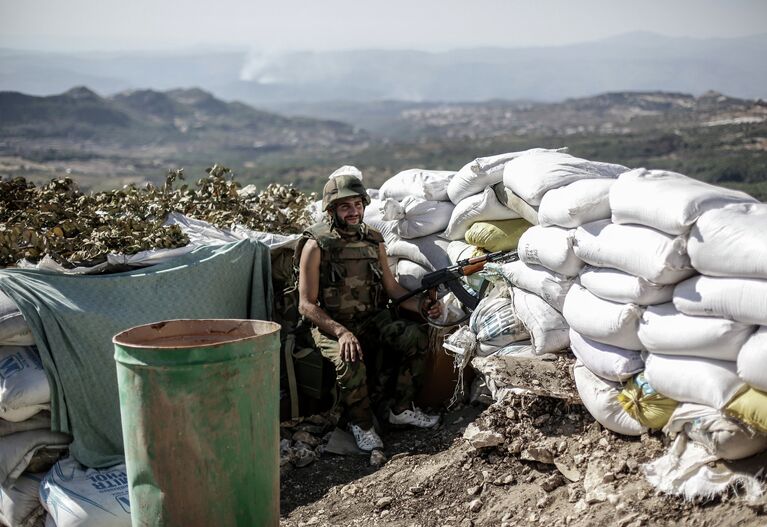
(390, 374)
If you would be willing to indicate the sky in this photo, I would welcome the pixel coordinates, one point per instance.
(429, 25)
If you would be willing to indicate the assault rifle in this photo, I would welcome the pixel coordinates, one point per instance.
(451, 277)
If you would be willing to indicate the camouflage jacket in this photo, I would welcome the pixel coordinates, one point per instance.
(351, 277)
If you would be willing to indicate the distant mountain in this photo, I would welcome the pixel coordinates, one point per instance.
(630, 62)
(610, 113)
(146, 117)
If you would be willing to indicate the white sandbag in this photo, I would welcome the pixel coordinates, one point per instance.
(39, 421)
(665, 330)
(510, 200)
(17, 451)
(533, 175)
(374, 218)
(416, 217)
(77, 496)
(460, 250)
(374, 193)
(724, 437)
(551, 247)
(666, 201)
(741, 299)
(600, 397)
(601, 320)
(730, 241)
(429, 251)
(24, 388)
(548, 330)
(479, 207)
(617, 286)
(693, 379)
(427, 184)
(14, 330)
(19, 504)
(608, 362)
(495, 324)
(550, 286)
(409, 274)
(637, 250)
(573, 205)
(481, 173)
(752, 360)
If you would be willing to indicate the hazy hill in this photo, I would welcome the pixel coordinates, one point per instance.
(147, 117)
(630, 62)
(610, 113)
(135, 136)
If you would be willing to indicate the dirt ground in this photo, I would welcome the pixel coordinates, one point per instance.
(436, 478)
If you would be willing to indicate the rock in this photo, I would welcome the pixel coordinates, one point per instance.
(319, 420)
(467, 522)
(604, 443)
(541, 420)
(632, 464)
(593, 482)
(567, 471)
(399, 455)
(305, 437)
(416, 490)
(473, 491)
(384, 502)
(543, 502)
(552, 482)
(315, 430)
(613, 499)
(608, 477)
(480, 439)
(475, 505)
(533, 518)
(303, 456)
(581, 506)
(377, 458)
(573, 494)
(541, 455)
(515, 447)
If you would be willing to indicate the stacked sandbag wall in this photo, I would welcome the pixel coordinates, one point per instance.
(412, 209)
(640, 274)
(727, 246)
(28, 447)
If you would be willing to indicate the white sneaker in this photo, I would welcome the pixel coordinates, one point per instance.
(367, 440)
(415, 417)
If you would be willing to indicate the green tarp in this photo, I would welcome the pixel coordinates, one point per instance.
(74, 318)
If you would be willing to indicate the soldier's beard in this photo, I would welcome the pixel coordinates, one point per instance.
(349, 229)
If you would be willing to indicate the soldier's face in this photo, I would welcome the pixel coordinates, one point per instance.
(350, 211)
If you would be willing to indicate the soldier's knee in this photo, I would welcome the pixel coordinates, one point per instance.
(414, 340)
(352, 375)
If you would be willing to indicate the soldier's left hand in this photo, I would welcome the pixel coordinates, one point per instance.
(434, 310)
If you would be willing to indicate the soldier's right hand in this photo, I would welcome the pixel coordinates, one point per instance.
(351, 350)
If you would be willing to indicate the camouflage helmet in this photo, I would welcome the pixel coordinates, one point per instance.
(343, 186)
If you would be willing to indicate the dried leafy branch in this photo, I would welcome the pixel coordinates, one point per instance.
(74, 228)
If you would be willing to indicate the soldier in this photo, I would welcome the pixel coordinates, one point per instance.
(344, 286)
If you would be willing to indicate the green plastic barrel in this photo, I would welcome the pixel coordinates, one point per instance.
(199, 401)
